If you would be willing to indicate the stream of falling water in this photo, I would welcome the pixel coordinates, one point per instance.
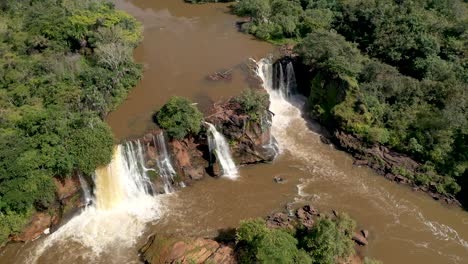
(122, 205)
(220, 147)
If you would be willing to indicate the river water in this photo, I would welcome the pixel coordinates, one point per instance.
(184, 43)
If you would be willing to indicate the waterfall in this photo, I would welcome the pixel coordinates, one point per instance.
(166, 170)
(291, 84)
(219, 146)
(122, 206)
(272, 143)
(281, 89)
(277, 77)
(124, 178)
(87, 199)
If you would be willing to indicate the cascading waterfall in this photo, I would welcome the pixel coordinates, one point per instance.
(277, 77)
(87, 199)
(281, 86)
(272, 143)
(219, 146)
(166, 170)
(125, 178)
(122, 205)
(291, 83)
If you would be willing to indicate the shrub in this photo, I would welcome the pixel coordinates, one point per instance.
(253, 102)
(179, 117)
(329, 240)
(263, 245)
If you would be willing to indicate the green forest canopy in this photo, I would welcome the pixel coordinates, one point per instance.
(64, 65)
(402, 64)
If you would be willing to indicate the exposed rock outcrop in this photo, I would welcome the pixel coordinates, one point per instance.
(160, 249)
(249, 138)
(249, 141)
(39, 223)
(387, 162)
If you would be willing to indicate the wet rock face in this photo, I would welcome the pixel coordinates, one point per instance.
(188, 159)
(39, 223)
(67, 187)
(197, 250)
(248, 138)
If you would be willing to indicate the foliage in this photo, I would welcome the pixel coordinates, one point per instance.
(179, 117)
(371, 261)
(330, 52)
(254, 103)
(389, 72)
(265, 245)
(65, 65)
(329, 240)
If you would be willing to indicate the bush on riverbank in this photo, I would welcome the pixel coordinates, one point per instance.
(388, 72)
(328, 241)
(179, 117)
(65, 65)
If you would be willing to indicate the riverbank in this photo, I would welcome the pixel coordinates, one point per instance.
(393, 165)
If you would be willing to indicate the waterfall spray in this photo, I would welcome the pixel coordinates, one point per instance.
(121, 207)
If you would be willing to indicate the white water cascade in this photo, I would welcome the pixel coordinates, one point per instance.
(166, 170)
(122, 205)
(87, 198)
(281, 86)
(219, 146)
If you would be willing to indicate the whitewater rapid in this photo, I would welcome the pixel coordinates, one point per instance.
(296, 138)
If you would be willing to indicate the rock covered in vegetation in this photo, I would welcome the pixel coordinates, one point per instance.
(281, 238)
(247, 130)
(393, 165)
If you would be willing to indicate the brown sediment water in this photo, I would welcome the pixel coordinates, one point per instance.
(182, 44)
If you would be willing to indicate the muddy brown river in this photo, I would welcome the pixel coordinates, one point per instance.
(182, 44)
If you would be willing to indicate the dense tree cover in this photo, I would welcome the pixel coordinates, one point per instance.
(328, 241)
(390, 72)
(179, 117)
(64, 65)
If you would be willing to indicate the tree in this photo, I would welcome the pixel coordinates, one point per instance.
(260, 244)
(329, 240)
(179, 117)
(332, 53)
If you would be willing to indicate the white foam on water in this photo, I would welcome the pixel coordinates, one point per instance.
(121, 208)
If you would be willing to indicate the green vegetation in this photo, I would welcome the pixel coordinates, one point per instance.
(328, 241)
(207, 1)
(65, 65)
(179, 118)
(371, 261)
(389, 72)
(254, 103)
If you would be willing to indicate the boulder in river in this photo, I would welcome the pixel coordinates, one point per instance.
(365, 233)
(360, 239)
